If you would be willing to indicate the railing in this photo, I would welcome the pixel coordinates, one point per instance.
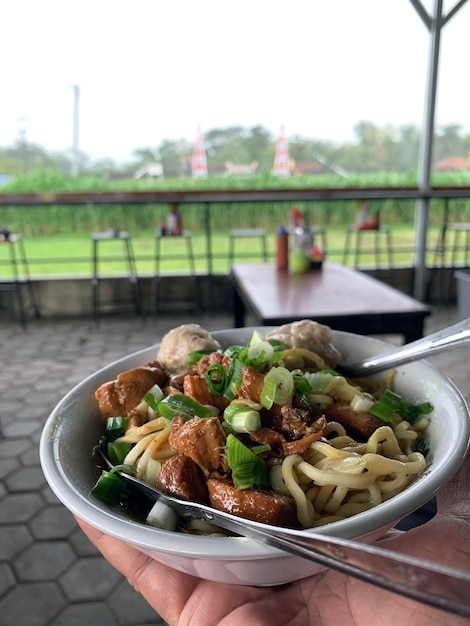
(206, 199)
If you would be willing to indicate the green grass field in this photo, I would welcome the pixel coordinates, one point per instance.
(69, 255)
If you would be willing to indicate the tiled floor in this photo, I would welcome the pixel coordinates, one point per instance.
(49, 572)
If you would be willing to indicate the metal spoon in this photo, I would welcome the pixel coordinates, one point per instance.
(451, 337)
(431, 583)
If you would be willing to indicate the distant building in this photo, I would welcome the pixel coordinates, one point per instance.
(307, 168)
(452, 164)
(243, 169)
(153, 170)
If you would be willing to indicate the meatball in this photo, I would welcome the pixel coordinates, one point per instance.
(311, 336)
(178, 343)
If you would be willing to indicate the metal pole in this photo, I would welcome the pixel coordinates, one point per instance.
(75, 144)
(434, 24)
(424, 168)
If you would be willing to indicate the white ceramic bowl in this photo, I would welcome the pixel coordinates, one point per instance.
(74, 427)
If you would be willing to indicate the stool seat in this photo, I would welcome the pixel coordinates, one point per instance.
(19, 275)
(248, 233)
(459, 226)
(113, 235)
(381, 246)
(180, 247)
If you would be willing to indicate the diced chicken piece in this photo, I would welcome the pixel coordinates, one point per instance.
(301, 445)
(120, 396)
(269, 436)
(177, 345)
(197, 388)
(202, 440)
(254, 504)
(358, 424)
(252, 384)
(311, 336)
(292, 422)
(181, 477)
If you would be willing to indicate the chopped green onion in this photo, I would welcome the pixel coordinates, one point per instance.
(196, 356)
(278, 387)
(243, 476)
(361, 403)
(117, 451)
(182, 406)
(278, 345)
(162, 516)
(386, 406)
(256, 337)
(242, 419)
(423, 446)
(253, 469)
(260, 353)
(109, 488)
(232, 351)
(235, 378)
(412, 412)
(153, 397)
(301, 384)
(261, 448)
(216, 379)
(390, 403)
(115, 427)
(320, 382)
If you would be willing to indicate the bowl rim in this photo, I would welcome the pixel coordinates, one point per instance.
(148, 538)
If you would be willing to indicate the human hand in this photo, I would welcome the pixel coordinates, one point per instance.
(326, 599)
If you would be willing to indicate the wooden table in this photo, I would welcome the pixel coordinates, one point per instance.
(338, 296)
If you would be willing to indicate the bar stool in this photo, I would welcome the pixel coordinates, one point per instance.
(114, 235)
(19, 275)
(460, 242)
(248, 233)
(446, 254)
(174, 247)
(381, 245)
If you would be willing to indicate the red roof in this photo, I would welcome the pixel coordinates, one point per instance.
(452, 163)
(308, 168)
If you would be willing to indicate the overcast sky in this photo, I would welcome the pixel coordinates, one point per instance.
(150, 70)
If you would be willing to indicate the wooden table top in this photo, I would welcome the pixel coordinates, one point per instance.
(333, 291)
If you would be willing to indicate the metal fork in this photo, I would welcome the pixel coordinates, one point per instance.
(431, 583)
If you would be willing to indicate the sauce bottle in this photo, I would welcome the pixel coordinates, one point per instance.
(282, 249)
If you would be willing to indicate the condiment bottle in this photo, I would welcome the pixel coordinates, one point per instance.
(302, 236)
(282, 249)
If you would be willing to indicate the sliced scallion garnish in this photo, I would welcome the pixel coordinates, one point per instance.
(115, 427)
(182, 406)
(242, 419)
(153, 397)
(278, 387)
(216, 379)
(253, 470)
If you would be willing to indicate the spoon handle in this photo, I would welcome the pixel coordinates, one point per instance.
(444, 339)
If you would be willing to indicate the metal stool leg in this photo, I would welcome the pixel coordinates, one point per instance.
(347, 246)
(132, 274)
(95, 281)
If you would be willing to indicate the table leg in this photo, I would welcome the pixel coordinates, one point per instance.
(414, 331)
(238, 306)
